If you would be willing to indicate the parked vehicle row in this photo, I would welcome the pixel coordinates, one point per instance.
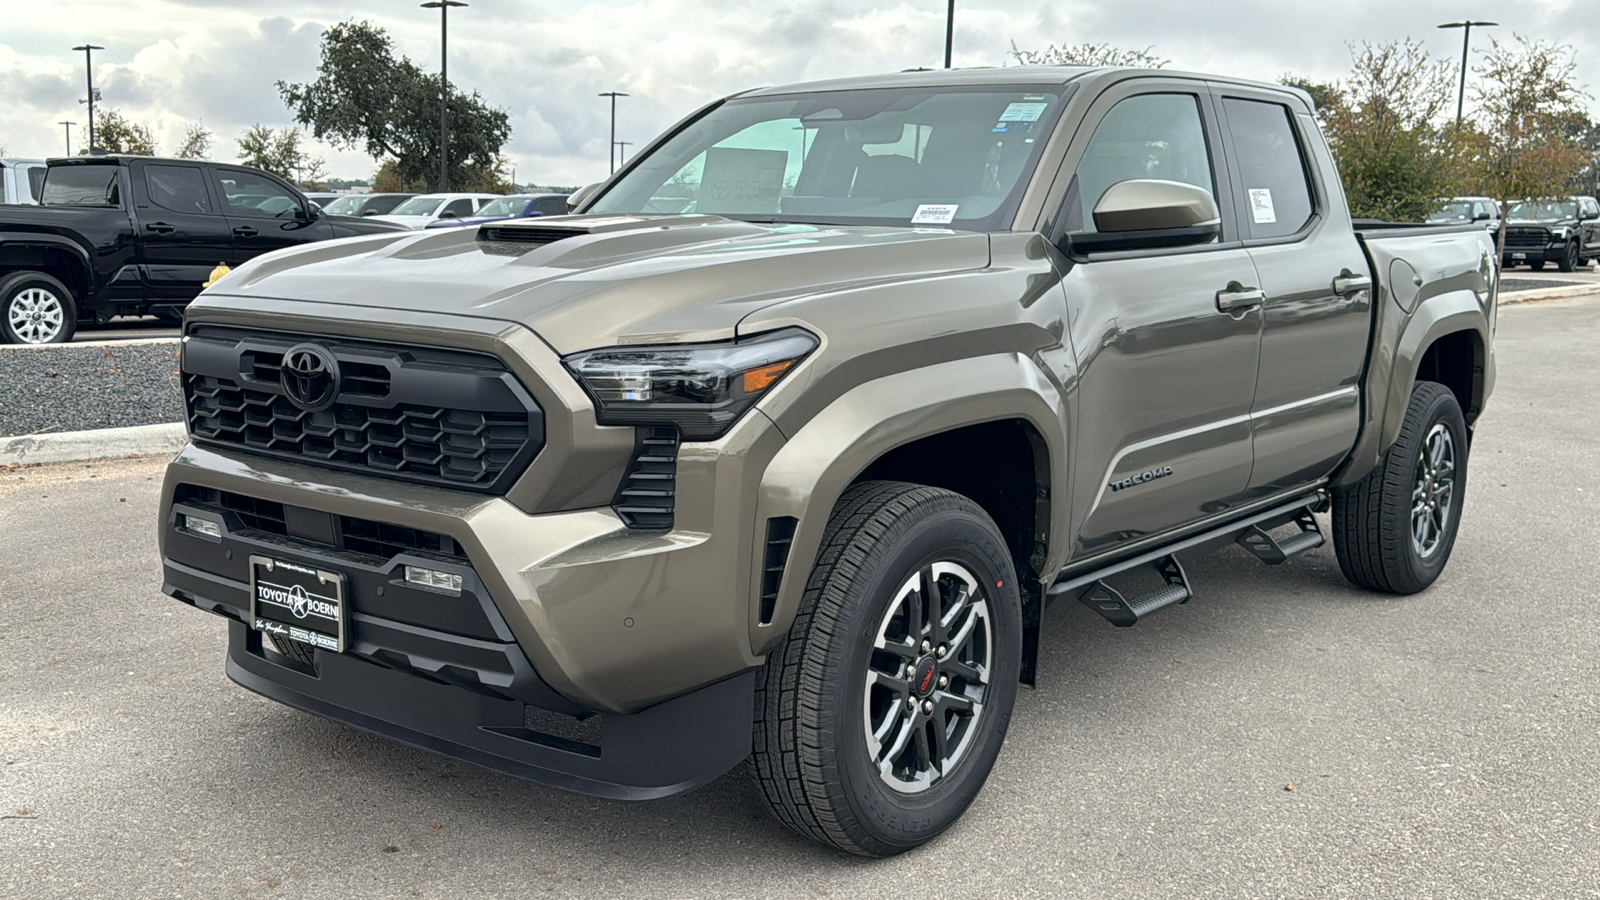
(1563, 231)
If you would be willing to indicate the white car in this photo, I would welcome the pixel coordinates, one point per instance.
(417, 212)
(20, 180)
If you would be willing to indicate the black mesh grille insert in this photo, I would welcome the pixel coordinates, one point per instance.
(780, 534)
(441, 417)
(1526, 238)
(648, 492)
(380, 539)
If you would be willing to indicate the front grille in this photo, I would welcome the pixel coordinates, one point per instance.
(649, 490)
(1526, 238)
(379, 539)
(418, 414)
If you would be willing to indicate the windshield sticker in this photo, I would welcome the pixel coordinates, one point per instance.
(1023, 112)
(739, 180)
(1004, 127)
(935, 214)
(1261, 211)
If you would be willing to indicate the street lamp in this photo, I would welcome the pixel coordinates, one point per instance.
(1466, 42)
(949, 33)
(622, 151)
(69, 135)
(613, 95)
(88, 72)
(443, 6)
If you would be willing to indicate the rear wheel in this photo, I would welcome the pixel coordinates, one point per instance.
(1394, 530)
(880, 716)
(36, 309)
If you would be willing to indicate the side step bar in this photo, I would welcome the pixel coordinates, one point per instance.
(1122, 612)
(1274, 552)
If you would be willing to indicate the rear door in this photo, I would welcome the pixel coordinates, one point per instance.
(1318, 305)
(1166, 377)
(182, 233)
(265, 214)
(1589, 224)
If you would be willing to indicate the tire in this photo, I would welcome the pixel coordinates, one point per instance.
(36, 309)
(817, 770)
(1569, 259)
(1376, 522)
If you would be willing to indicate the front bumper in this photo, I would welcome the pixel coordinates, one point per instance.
(1516, 256)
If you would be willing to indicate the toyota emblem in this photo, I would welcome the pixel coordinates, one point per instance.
(310, 377)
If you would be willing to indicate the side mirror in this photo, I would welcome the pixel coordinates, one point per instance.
(1147, 212)
(369, 212)
(578, 197)
(447, 214)
(1481, 217)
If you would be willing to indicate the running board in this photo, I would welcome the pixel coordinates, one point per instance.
(1221, 535)
(1123, 612)
(1274, 552)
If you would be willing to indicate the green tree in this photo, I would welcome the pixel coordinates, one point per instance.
(1531, 111)
(279, 152)
(1088, 55)
(366, 97)
(115, 133)
(1382, 127)
(196, 142)
(1587, 179)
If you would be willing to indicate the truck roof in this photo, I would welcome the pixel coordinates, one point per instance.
(991, 75)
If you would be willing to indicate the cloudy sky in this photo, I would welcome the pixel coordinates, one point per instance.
(169, 62)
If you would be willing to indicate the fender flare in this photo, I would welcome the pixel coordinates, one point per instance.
(818, 463)
(9, 239)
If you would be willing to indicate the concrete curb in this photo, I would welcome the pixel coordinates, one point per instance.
(1554, 293)
(101, 443)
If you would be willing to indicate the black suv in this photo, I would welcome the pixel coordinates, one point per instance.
(1564, 231)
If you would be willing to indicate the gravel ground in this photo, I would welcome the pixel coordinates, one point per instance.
(77, 388)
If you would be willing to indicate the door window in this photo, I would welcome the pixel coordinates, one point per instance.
(1145, 136)
(1274, 190)
(551, 206)
(178, 188)
(249, 194)
(458, 209)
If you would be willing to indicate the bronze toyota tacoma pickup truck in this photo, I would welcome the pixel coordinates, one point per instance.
(782, 445)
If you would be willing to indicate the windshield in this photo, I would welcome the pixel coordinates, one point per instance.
(930, 156)
(347, 205)
(502, 208)
(1452, 211)
(1544, 210)
(81, 185)
(418, 206)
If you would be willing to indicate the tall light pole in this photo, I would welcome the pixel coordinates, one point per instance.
(949, 33)
(622, 151)
(69, 135)
(443, 6)
(88, 72)
(1466, 44)
(613, 95)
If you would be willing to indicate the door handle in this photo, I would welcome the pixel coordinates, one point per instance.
(1349, 282)
(1237, 296)
(245, 231)
(160, 228)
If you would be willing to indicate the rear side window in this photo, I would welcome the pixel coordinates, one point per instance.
(178, 188)
(381, 206)
(81, 185)
(550, 206)
(459, 208)
(35, 182)
(1274, 191)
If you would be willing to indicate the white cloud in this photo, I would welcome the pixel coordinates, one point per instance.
(171, 62)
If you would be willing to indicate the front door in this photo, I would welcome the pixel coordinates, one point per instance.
(1166, 377)
(182, 234)
(264, 214)
(1318, 287)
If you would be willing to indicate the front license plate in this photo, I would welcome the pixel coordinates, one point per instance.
(1519, 256)
(299, 603)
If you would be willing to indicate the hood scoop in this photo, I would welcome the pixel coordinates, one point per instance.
(517, 237)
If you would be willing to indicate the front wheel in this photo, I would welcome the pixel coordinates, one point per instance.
(36, 309)
(1536, 265)
(880, 716)
(1393, 530)
(1569, 260)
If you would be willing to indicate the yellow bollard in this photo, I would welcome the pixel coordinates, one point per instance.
(221, 270)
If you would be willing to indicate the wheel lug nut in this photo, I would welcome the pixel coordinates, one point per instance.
(911, 702)
(943, 650)
(944, 681)
(926, 646)
(927, 706)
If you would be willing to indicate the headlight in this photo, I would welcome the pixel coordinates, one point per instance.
(701, 388)
(1559, 232)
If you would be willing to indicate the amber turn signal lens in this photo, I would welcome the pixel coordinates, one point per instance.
(757, 380)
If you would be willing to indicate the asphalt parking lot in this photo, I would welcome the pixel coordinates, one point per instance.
(1283, 735)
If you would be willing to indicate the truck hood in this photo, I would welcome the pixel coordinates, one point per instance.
(583, 282)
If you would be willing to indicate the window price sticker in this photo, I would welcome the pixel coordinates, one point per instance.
(935, 214)
(1261, 211)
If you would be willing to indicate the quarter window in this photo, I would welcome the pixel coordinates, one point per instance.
(1146, 136)
(1274, 191)
(178, 188)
